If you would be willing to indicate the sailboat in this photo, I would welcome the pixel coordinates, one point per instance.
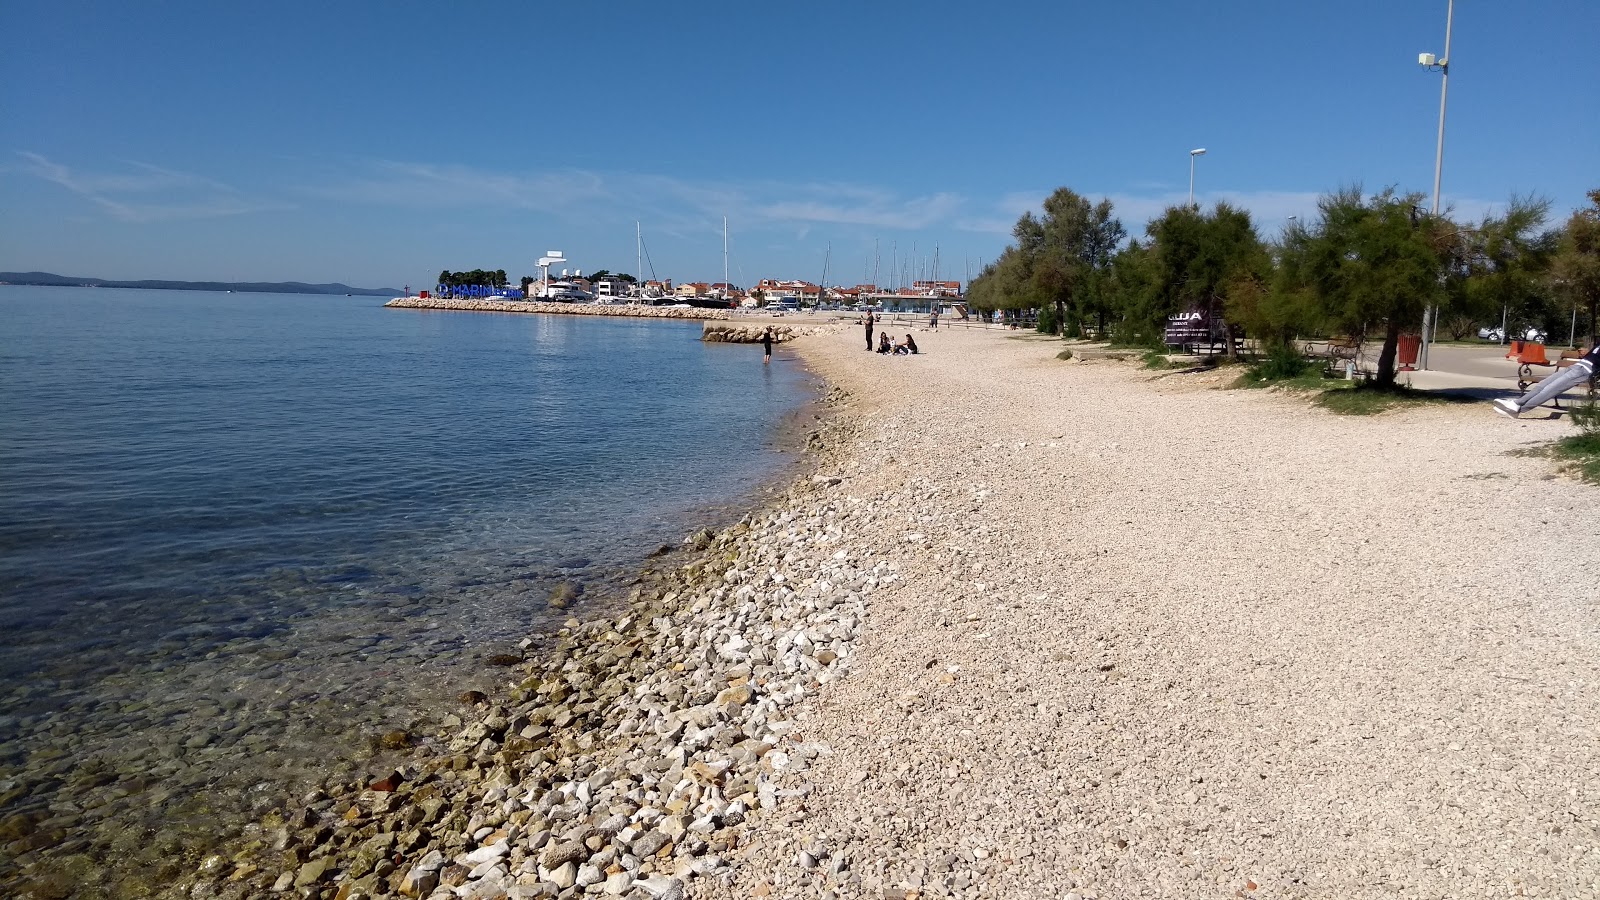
(722, 300)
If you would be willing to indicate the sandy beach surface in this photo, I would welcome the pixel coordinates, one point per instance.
(1155, 639)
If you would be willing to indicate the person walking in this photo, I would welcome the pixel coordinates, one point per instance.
(1551, 387)
(870, 320)
(766, 346)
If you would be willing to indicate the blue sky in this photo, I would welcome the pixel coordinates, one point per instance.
(377, 143)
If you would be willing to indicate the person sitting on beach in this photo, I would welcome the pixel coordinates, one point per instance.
(906, 347)
(1551, 387)
(884, 346)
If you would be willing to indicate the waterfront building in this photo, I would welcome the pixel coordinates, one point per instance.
(611, 287)
(805, 291)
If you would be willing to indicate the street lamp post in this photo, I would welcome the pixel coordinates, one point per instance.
(1429, 61)
(1200, 151)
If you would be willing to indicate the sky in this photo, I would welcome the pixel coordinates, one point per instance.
(377, 143)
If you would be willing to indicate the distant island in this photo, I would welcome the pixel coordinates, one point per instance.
(256, 287)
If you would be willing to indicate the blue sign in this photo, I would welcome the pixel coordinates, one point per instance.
(478, 290)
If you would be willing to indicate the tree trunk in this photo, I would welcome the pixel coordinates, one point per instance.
(1594, 325)
(1391, 349)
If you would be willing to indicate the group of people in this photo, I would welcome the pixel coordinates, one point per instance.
(885, 344)
(905, 347)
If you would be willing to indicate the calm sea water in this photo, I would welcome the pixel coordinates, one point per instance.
(221, 511)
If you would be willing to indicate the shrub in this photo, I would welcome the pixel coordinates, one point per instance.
(1582, 450)
(1586, 417)
(1047, 319)
(1282, 363)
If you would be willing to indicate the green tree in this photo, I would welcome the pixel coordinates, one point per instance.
(1059, 260)
(1368, 265)
(1500, 268)
(1213, 262)
(1575, 270)
(1130, 296)
(1003, 284)
(1072, 246)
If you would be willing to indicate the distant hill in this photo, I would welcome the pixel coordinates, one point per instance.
(257, 287)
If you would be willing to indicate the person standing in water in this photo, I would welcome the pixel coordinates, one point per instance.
(766, 346)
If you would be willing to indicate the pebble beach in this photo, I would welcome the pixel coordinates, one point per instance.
(1034, 627)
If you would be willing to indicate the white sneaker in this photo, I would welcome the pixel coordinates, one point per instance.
(1507, 407)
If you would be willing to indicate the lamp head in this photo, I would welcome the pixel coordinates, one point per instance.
(1198, 152)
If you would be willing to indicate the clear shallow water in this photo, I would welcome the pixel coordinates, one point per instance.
(221, 511)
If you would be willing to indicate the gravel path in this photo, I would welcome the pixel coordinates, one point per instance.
(1155, 640)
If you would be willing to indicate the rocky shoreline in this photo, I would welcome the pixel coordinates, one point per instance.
(627, 759)
(631, 310)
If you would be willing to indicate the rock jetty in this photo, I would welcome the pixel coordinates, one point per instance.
(728, 333)
(633, 310)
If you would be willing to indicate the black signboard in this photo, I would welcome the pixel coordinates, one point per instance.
(1192, 326)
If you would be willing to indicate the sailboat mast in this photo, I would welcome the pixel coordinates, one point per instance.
(638, 258)
(823, 287)
(725, 259)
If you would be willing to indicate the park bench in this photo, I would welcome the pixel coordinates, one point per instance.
(1531, 355)
(1335, 353)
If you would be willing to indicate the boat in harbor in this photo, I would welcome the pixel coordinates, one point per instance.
(567, 292)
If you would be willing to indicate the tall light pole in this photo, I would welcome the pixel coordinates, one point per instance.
(1429, 61)
(1199, 151)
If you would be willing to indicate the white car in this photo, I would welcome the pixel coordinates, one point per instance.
(1527, 334)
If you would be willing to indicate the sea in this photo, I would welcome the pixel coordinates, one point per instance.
(252, 543)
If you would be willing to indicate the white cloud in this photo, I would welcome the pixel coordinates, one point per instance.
(430, 186)
(147, 193)
(671, 204)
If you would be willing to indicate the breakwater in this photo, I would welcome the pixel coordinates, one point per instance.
(729, 333)
(630, 310)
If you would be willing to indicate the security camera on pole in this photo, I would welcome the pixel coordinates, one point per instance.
(1429, 61)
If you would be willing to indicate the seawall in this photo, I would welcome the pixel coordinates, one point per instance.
(731, 333)
(641, 311)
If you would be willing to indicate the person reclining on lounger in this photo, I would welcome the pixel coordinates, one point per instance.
(1551, 387)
